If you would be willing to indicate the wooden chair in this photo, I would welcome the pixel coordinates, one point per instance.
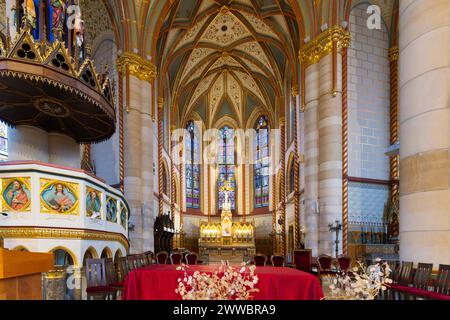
(303, 260)
(112, 277)
(96, 278)
(135, 262)
(344, 262)
(325, 266)
(162, 257)
(191, 258)
(176, 258)
(122, 268)
(260, 260)
(442, 284)
(277, 261)
(402, 279)
(150, 257)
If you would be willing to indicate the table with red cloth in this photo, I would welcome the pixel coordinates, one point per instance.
(158, 282)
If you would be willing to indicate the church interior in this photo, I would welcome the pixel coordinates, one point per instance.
(302, 137)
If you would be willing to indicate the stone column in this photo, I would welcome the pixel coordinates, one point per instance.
(148, 183)
(283, 246)
(133, 161)
(136, 105)
(295, 94)
(27, 143)
(160, 155)
(63, 150)
(311, 158)
(424, 68)
(330, 153)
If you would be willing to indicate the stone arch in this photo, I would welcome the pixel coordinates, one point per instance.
(68, 256)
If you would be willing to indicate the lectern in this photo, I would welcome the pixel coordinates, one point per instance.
(20, 274)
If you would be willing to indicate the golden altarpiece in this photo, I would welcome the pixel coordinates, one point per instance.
(227, 240)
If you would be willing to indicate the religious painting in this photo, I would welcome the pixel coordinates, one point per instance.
(124, 216)
(93, 203)
(111, 210)
(59, 197)
(16, 194)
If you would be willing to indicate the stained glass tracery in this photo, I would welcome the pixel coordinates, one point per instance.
(226, 163)
(261, 168)
(192, 152)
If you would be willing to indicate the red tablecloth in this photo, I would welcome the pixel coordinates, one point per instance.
(158, 282)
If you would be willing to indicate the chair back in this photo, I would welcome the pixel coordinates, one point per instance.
(150, 257)
(260, 260)
(443, 280)
(344, 262)
(325, 262)
(423, 275)
(405, 273)
(96, 273)
(277, 261)
(162, 257)
(396, 270)
(122, 268)
(303, 260)
(111, 273)
(191, 258)
(176, 258)
(135, 262)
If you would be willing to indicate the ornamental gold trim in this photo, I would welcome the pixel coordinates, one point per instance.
(394, 54)
(322, 46)
(72, 234)
(137, 66)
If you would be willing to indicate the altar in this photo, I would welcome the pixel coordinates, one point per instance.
(227, 240)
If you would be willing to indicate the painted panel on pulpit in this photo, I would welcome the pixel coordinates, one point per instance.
(16, 194)
(93, 203)
(111, 210)
(58, 197)
(124, 216)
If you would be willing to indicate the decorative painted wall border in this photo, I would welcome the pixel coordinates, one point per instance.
(61, 233)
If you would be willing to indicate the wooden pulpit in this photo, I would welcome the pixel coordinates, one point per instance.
(20, 274)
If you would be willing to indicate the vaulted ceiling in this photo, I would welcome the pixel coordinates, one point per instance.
(225, 57)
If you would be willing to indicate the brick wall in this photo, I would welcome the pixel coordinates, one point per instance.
(368, 90)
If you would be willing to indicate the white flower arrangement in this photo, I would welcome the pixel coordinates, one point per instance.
(361, 283)
(227, 283)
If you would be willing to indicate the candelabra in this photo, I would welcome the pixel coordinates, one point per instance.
(336, 227)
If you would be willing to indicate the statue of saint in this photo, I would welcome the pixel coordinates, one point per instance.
(227, 222)
(58, 17)
(79, 40)
(29, 11)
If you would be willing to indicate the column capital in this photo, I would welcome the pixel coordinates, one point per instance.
(322, 45)
(137, 66)
(295, 91)
(282, 121)
(394, 54)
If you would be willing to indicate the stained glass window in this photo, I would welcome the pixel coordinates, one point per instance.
(226, 164)
(192, 152)
(3, 142)
(261, 168)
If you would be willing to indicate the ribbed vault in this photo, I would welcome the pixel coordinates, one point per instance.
(227, 55)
